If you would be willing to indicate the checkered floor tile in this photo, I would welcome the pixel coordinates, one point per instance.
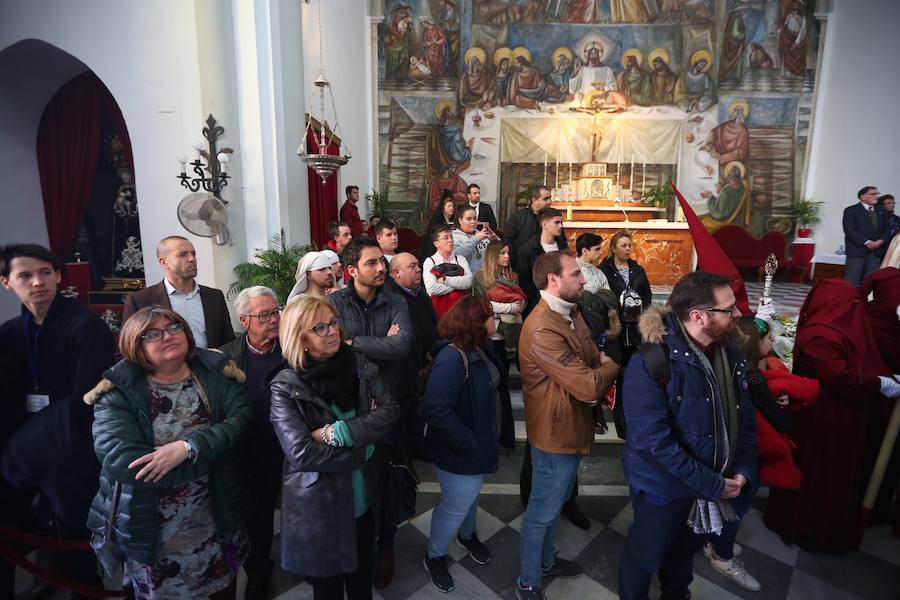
(771, 80)
(788, 297)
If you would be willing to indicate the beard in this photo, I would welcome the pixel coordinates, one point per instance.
(726, 335)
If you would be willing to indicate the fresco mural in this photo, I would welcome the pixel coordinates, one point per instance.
(714, 93)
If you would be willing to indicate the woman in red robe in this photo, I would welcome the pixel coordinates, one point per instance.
(839, 437)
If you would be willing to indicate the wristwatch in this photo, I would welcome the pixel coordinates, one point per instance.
(191, 453)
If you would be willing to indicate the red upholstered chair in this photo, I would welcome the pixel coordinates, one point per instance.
(748, 252)
(408, 240)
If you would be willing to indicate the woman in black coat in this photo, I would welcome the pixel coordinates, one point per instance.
(329, 411)
(628, 281)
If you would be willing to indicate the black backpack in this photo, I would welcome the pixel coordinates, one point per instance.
(656, 361)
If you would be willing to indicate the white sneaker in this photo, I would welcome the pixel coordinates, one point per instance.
(735, 571)
(708, 550)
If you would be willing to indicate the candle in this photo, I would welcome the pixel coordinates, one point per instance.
(643, 176)
(631, 181)
(557, 167)
(545, 168)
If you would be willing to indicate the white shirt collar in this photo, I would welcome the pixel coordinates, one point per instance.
(170, 289)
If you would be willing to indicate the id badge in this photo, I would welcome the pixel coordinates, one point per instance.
(36, 402)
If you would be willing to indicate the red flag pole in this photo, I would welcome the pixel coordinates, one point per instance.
(711, 257)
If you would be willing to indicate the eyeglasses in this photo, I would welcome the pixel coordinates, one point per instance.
(154, 335)
(322, 329)
(265, 317)
(727, 311)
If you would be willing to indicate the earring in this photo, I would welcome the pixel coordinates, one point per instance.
(306, 349)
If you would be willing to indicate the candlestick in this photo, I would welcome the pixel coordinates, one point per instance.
(643, 176)
(770, 268)
(545, 168)
(569, 211)
(557, 167)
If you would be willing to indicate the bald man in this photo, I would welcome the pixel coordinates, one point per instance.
(202, 307)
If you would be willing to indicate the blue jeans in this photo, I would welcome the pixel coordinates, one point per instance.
(552, 478)
(455, 513)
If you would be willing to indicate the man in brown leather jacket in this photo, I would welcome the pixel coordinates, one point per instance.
(563, 376)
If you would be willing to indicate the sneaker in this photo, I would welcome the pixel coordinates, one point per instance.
(529, 593)
(564, 569)
(735, 571)
(478, 551)
(440, 576)
(708, 551)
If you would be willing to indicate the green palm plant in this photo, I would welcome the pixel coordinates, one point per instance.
(273, 267)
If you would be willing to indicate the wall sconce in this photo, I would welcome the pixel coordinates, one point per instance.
(216, 169)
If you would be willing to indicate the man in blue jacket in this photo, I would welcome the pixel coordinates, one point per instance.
(691, 435)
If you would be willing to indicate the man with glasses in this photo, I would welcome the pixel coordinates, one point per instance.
(258, 353)
(866, 235)
(690, 445)
(202, 307)
(377, 324)
(53, 353)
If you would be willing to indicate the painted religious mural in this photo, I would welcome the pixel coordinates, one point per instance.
(715, 94)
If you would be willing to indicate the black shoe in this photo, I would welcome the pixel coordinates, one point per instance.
(440, 576)
(478, 551)
(529, 593)
(564, 569)
(384, 568)
(575, 516)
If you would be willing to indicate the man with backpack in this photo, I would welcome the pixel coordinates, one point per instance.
(691, 433)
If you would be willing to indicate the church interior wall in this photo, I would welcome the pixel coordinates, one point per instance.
(856, 137)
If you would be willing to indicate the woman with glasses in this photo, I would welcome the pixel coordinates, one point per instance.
(168, 422)
(330, 412)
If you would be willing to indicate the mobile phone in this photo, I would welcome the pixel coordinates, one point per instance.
(481, 225)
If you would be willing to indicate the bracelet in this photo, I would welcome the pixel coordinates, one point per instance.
(324, 431)
(330, 437)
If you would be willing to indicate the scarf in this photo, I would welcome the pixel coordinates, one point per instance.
(708, 516)
(334, 380)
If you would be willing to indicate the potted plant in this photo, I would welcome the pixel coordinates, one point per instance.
(273, 267)
(662, 196)
(377, 202)
(805, 212)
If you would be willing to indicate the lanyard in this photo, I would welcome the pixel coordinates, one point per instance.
(31, 350)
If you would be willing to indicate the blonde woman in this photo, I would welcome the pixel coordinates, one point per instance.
(330, 411)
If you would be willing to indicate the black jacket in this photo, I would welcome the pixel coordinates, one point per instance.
(485, 214)
(858, 228)
(421, 314)
(52, 450)
(524, 261)
(637, 281)
(318, 528)
(368, 325)
(520, 228)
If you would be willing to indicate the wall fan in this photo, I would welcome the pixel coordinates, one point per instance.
(204, 215)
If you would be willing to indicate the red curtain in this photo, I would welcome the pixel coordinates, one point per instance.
(68, 147)
(323, 198)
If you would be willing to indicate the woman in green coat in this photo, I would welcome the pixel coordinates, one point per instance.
(168, 421)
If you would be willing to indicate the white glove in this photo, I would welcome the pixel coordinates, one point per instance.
(890, 388)
(766, 309)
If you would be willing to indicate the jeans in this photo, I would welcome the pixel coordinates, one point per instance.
(358, 584)
(456, 511)
(553, 476)
(723, 544)
(659, 540)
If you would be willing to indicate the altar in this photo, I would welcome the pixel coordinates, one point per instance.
(593, 201)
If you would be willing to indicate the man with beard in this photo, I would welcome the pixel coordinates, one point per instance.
(563, 376)
(662, 79)
(594, 74)
(634, 82)
(476, 90)
(502, 75)
(690, 447)
(377, 324)
(314, 276)
(527, 86)
(202, 307)
(557, 88)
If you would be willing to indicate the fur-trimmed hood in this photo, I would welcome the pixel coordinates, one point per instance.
(652, 324)
(125, 370)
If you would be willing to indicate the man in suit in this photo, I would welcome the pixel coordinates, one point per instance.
(483, 212)
(202, 307)
(865, 235)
